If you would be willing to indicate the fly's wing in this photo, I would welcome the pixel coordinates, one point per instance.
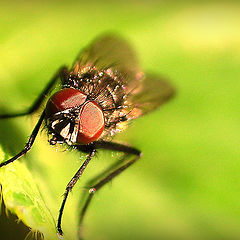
(144, 93)
(151, 93)
(110, 51)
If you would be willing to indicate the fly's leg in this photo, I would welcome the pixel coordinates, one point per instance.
(69, 188)
(112, 173)
(29, 143)
(62, 73)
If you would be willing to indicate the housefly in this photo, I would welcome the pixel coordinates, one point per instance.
(103, 91)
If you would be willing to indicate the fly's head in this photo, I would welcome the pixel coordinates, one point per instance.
(72, 118)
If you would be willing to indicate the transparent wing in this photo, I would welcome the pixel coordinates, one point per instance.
(152, 92)
(145, 93)
(111, 51)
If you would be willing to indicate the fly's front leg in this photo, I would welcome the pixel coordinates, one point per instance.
(70, 187)
(62, 73)
(29, 143)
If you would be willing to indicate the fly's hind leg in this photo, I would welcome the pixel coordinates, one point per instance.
(110, 174)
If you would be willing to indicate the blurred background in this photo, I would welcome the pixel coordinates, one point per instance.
(186, 186)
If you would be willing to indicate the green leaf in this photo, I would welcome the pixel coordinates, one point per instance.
(22, 197)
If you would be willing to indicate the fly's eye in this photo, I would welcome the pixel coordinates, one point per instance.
(91, 124)
(64, 99)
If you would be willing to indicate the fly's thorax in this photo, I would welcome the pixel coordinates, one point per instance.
(105, 87)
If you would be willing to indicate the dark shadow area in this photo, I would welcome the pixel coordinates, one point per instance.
(10, 228)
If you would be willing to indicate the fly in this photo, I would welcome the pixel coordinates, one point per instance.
(103, 91)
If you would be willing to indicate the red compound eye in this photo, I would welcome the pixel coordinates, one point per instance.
(64, 99)
(91, 123)
(91, 119)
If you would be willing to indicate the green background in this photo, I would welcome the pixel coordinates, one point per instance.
(187, 184)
